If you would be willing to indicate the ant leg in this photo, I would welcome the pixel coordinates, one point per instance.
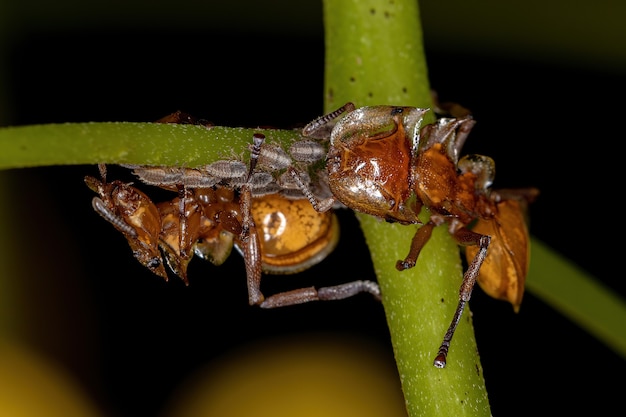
(255, 152)
(464, 237)
(465, 126)
(449, 108)
(103, 172)
(189, 218)
(321, 127)
(337, 292)
(99, 186)
(419, 240)
(251, 248)
(319, 205)
(246, 189)
(523, 195)
(250, 244)
(182, 221)
(181, 117)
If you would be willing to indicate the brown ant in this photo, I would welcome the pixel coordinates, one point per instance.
(132, 213)
(208, 220)
(381, 161)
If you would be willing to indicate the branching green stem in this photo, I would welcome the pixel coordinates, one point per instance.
(374, 56)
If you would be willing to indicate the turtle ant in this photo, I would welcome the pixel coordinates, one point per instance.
(381, 161)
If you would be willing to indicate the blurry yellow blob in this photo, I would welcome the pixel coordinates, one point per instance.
(30, 386)
(311, 376)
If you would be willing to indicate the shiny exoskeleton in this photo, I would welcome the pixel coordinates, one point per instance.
(292, 235)
(383, 162)
(131, 212)
(230, 204)
(380, 160)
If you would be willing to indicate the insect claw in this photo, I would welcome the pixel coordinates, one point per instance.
(402, 265)
(440, 360)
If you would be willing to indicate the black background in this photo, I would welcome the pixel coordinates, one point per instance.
(555, 127)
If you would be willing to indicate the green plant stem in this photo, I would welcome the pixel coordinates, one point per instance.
(126, 143)
(578, 296)
(374, 55)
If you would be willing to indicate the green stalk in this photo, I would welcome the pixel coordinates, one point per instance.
(126, 143)
(578, 296)
(374, 55)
